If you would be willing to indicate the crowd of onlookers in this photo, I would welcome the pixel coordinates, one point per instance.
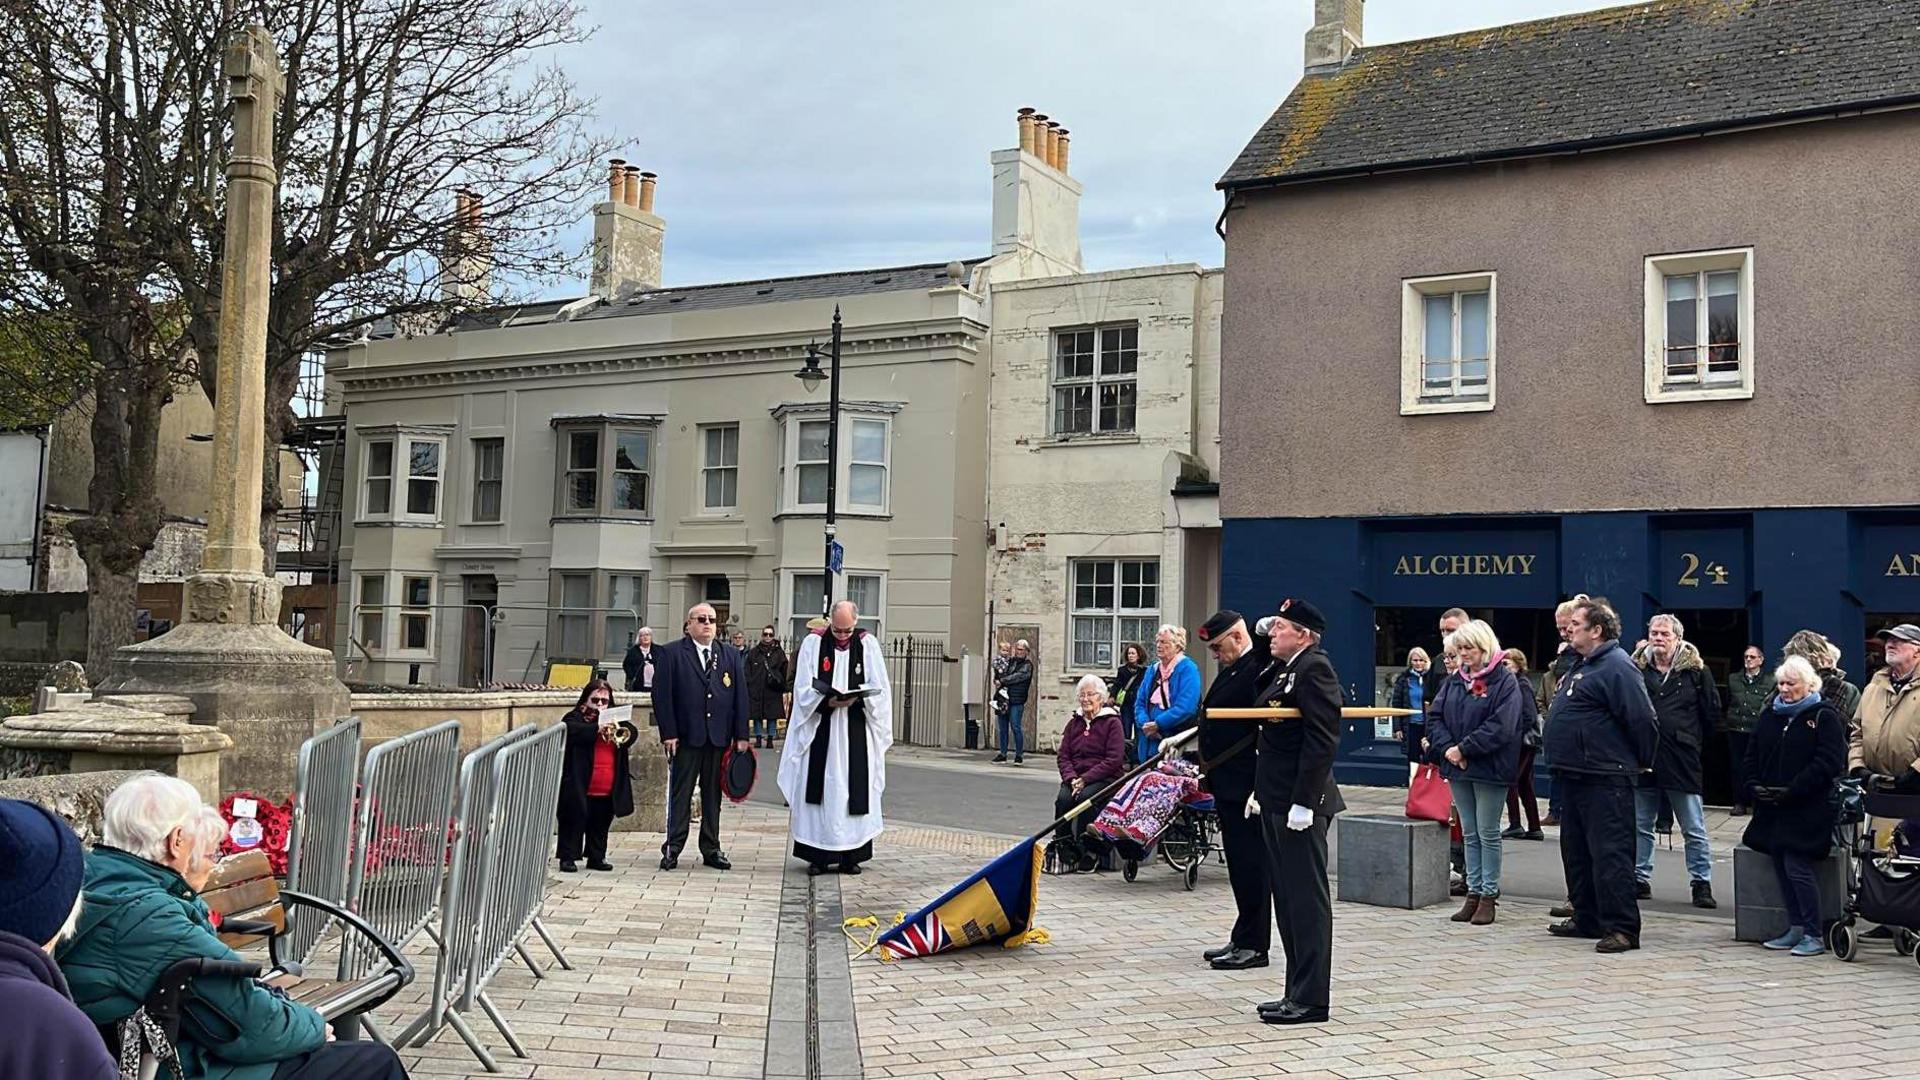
(86, 935)
(1622, 734)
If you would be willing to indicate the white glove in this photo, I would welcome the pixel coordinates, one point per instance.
(1253, 807)
(1299, 817)
(1265, 626)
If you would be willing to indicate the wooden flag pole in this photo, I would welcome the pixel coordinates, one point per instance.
(1364, 712)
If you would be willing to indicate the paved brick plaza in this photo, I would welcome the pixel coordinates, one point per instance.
(675, 970)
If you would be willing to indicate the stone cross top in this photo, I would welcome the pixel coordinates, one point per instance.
(233, 585)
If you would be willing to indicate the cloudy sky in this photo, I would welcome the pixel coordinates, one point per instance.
(844, 134)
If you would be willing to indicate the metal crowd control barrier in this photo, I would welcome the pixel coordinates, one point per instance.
(460, 902)
(322, 834)
(513, 871)
(399, 858)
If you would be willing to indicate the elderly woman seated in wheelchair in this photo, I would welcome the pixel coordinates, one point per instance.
(143, 916)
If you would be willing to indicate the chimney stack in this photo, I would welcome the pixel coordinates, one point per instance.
(466, 270)
(627, 237)
(1036, 211)
(1335, 35)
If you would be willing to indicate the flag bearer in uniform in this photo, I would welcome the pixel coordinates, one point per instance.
(1297, 796)
(1227, 755)
(833, 767)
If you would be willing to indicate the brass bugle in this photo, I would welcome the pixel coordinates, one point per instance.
(624, 733)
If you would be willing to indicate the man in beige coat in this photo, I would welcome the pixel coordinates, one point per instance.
(1885, 734)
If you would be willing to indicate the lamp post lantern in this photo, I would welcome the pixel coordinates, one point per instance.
(810, 377)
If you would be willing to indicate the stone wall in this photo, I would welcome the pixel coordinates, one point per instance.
(81, 798)
(38, 629)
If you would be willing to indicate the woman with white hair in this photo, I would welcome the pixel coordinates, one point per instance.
(1798, 749)
(143, 915)
(1169, 698)
(1092, 755)
(1473, 734)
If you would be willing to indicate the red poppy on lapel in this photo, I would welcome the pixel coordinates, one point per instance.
(1479, 688)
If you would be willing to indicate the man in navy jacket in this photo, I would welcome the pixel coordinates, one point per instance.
(1600, 740)
(700, 703)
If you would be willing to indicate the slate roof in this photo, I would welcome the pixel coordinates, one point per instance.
(1611, 77)
(725, 294)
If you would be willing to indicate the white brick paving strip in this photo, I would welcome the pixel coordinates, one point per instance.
(675, 973)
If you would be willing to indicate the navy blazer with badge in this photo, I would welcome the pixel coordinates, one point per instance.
(1295, 765)
(688, 705)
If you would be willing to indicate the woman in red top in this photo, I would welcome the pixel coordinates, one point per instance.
(595, 786)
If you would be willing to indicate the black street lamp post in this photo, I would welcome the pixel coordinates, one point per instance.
(810, 376)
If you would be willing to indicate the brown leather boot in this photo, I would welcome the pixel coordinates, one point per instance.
(1483, 915)
(1467, 910)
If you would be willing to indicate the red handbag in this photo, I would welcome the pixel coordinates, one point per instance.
(1428, 798)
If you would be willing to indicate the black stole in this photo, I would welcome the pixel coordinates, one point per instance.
(857, 787)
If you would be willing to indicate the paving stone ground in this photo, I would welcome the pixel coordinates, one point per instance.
(674, 973)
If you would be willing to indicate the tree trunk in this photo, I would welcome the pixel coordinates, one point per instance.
(112, 597)
(123, 508)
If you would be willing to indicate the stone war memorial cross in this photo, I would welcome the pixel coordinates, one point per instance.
(244, 674)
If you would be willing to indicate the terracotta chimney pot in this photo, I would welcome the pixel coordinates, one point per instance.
(1026, 129)
(1061, 163)
(1052, 154)
(646, 191)
(616, 178)
(630, 185)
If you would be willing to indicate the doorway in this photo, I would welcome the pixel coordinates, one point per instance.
(1722, 636)
(481, 594)
(716, 592)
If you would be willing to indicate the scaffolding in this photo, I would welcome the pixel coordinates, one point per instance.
(307, 552)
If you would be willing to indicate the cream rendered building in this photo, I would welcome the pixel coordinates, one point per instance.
(1102, 455)
(529, 484)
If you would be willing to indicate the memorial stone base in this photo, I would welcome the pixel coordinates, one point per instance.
(1391, 861)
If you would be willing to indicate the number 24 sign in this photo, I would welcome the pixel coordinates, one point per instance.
(1696, 571)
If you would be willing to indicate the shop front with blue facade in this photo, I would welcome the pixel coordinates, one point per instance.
(1732, 577)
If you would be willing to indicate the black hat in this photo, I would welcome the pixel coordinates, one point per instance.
(1906, 631)
(1221, 622)
(1303, 615)
(738, 769)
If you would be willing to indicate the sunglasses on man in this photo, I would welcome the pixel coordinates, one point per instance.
(704, 619)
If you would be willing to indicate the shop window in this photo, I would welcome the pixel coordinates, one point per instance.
(1111, 602)
(1447, 344)
(1095, 373)
(1699, 326)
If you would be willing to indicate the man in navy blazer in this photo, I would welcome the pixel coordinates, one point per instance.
(700, 702)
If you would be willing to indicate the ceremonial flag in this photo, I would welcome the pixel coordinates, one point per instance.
(995, 904)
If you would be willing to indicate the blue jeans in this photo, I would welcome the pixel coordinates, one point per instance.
(758, 728)
(1480, 806)
(1689, 814)
(1011, 719)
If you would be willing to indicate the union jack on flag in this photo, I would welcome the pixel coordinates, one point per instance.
(923, 937)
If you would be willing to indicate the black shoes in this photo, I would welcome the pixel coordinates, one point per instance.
(1561, 911)
(1214, 954)
(1514, 833)
(1019, 759)
(815, 869)
(1569, 928)
(1616, 942)
(1000, 759)
(1533, 834)
(1291, 1012)
(1703, 895)
(718, 860)
(668, 862)
(1643, 890)
(1737, 811)
(567, 867)
(850, 868)
(1240, 960)
(599, 864)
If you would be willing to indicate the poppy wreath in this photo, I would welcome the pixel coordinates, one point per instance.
(276, 828)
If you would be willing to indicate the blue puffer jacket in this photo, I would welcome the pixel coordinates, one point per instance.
(1485, 725)
(1601, 722)
(1183, 703)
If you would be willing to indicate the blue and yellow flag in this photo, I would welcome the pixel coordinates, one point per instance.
(995, 904)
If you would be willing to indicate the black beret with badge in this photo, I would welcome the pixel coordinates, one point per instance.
(1303, 615)
(1221, 622)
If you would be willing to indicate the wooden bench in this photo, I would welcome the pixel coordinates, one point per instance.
(252, 908)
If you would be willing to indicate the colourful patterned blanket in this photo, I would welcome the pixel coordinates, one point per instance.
(1146, 805)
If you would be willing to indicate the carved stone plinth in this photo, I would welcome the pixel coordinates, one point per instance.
(142, 731)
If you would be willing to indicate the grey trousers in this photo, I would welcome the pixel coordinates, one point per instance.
(1302, 906)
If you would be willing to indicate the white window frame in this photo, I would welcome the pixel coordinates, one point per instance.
(392, 613)
(1414, 401)
(793, 621)
(408, 611)
(710, 470)
(884, 463)
(401, 479)
(1658, 390)
(499, 482)
(1095, 382)
(843, 487)
(378, 611)
(1115, 613)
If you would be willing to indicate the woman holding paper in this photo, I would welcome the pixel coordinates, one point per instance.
(595, 786)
